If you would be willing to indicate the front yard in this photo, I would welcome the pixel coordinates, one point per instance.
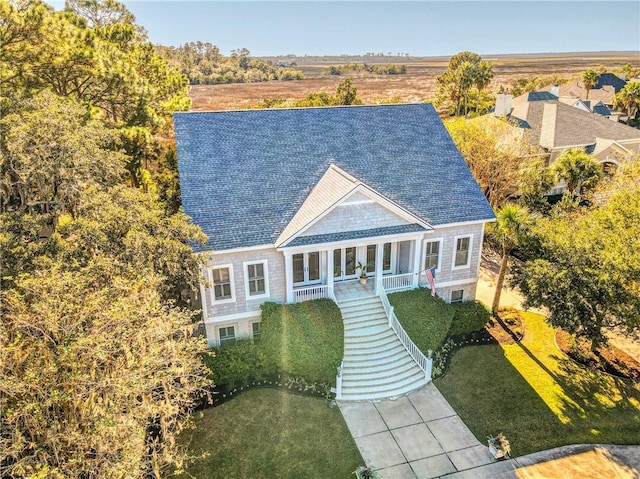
(537, 396)
(529, 391)
(272, 433)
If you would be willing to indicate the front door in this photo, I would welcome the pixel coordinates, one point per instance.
(306, 268)
(344, 263)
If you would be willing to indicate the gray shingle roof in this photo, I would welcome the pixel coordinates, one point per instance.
(570, 125)
(353, 235)
(244, 174)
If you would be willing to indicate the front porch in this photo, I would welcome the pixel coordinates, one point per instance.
(332, 272)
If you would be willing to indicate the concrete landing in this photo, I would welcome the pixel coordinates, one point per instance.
(418, 436)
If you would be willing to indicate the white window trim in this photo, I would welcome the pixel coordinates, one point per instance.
(451, 296)
(252, 333)
(232, 299)
(440, 251)
(245, 272)
(235, 331)
(455, 245)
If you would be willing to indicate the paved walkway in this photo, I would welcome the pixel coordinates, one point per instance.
(415, 436)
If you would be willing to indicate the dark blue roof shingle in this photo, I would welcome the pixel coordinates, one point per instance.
(244, 174)
(541, 96)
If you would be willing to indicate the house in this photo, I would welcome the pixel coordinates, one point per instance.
(604, 91)
(557, 125)
(293, 199)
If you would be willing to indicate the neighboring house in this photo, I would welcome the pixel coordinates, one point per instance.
(292, 199)
(604, 91)
(556, 126)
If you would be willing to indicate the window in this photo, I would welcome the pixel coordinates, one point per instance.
(432, 255)
(222, 283)
(463, 246)
(255, 273)
(386, 257)
(456, 296)
(227, 334)
(256, 279)
(371, 258)
(255, 327)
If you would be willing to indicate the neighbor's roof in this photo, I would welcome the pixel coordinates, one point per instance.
(245, 174)
(568, 125)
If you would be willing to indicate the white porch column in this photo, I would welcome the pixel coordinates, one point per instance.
(330, 269)
(288, 276)
(417, 261)
(379, 255)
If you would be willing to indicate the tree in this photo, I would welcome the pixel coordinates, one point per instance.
(483, 76)
(578, 169)
(465, 70)
(346, 93)
(628, 99)
(587, 269)
(50, 152)
(590, 79)
(97, 375)
(496, 153)
(512, 224)
(535, 181)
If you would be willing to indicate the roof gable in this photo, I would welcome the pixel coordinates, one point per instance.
(357, 207)
(246, 174)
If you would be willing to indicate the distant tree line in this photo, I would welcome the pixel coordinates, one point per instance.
(203, 64)
(388, 69)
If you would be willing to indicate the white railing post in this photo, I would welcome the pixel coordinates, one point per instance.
(390, 317)
(427, 372)
(339, 381)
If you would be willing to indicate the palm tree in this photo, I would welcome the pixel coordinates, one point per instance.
(628, 99)
(578, 169)
(465, 76)
(512, 223)
(483, 76)
(590, 79)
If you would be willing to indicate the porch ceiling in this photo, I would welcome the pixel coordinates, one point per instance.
(356, 235)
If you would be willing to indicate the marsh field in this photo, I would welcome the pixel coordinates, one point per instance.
(416, 85)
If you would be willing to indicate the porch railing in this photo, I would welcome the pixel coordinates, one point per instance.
(398, 282)
(424, 363)
(311, 292)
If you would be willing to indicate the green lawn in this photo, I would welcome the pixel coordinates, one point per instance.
(426, 319)
(538, 397)
(429, 320)
(265, 433)
(305, 339)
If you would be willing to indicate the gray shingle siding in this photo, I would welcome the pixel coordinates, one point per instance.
(244, 174)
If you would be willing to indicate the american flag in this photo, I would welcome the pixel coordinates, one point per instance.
(431, 277)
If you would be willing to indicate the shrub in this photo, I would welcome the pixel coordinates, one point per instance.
(302, 341)
(468, 317)
(426, 319)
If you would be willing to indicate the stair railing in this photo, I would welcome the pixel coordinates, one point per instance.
(425, 363)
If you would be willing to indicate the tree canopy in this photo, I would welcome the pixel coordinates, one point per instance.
(586, 266)
(99, 367)
(496, 153)
(466, 70)
(628, 99)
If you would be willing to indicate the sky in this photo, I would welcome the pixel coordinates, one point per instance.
(420, 28)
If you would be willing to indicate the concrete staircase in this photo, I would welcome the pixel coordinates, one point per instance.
(376, 365)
